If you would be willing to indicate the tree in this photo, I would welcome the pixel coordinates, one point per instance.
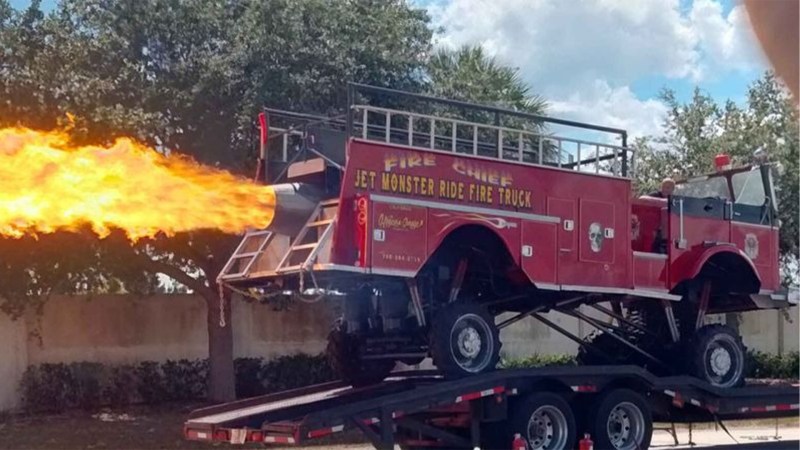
(469, 74)
(189, 77)
(699, 129)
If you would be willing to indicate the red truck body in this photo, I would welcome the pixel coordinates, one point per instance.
(428, 226)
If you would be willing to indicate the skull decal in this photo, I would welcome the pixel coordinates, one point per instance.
(751, 245)
(596, 236)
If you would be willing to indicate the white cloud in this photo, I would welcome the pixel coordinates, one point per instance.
(614, 107)
(726, 43)
(583, 55)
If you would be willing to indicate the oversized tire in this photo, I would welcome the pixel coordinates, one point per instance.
(545, 420)
(620, 419)
(344, 357)
(717, 356)
(464, 340)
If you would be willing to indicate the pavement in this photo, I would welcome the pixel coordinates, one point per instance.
(743, 438)
(706, 438)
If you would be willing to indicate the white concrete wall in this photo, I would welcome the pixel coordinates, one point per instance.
(127, 329)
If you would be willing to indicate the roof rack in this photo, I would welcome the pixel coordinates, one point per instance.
(385, 115)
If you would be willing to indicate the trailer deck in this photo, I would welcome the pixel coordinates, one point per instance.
(420, 408)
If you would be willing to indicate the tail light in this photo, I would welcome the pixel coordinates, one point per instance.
(361, 230)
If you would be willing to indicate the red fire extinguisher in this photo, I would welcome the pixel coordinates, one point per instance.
(586, 443)
(518, 443)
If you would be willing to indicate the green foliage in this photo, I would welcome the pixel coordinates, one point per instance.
(537, 361)
(766, 365)
(59, 387)
(469, 74)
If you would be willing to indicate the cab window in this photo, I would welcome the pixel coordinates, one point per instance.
(748, 188)
(714, 187)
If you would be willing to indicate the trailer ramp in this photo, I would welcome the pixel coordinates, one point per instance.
(421, 408)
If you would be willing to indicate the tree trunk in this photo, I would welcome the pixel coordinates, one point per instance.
(221, 380)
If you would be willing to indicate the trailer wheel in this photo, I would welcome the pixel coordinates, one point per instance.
(464, 340)
(344, 357)
(718, 356)
(545, 421)
(620, 419)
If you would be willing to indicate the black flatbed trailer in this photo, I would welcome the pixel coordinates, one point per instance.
(549, 407)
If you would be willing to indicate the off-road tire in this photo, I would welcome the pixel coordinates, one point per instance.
(599, 414)
(439, 338)
(344, 357)
(701, 346)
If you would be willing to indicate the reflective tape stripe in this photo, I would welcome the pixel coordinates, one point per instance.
(770, 408)
(279, 439)
(479, 394)
(585, 388)
(325, 431)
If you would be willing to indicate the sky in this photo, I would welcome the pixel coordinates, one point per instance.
(605, 61)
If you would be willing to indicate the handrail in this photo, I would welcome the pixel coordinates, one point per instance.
(523, 141)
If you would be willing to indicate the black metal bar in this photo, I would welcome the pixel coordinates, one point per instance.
(624, 153)
(494, 109)
(601, 326)
(433, 432)
(373, 437)
(350, 101)
(520, 316)
(572, 337)
(475, 423)
(387, 429)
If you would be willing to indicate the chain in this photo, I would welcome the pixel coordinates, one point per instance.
(221, 306)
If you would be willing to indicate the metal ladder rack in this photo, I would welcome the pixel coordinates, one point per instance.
(242, 254)
(324, 229)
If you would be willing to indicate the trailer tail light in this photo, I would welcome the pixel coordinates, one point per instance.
(361, 230)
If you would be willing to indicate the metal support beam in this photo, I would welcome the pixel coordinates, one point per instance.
(427, 430)
(416, 301)
(673, 324)
(458, 279)
(370, 434)
(622, 319)
(606, 329)
(387, 430)
(705, 296)
(572, 337)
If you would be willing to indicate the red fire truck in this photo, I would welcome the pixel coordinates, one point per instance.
(424, 219)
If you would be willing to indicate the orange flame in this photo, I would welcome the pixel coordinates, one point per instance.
(46, 185)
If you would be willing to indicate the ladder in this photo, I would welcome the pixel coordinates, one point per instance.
(244, 257)
(299, 248)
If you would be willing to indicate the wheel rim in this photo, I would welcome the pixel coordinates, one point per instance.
(625, 426)
(471, 343)
(547, 429)
(723, 361)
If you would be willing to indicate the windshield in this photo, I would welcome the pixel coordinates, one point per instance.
(748, 188)
(704, 187)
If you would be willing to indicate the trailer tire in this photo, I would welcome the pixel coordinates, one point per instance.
(464, 340)
(545, 420)
(718, 356)
(620, 419)
(344, 357)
